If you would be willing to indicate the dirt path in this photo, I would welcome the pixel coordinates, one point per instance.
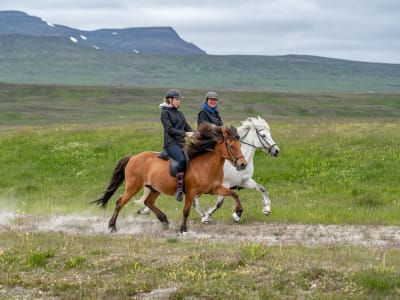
(266, 233)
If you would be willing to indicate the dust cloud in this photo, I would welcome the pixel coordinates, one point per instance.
(218, 231)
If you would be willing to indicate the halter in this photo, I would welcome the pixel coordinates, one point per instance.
(264, 144)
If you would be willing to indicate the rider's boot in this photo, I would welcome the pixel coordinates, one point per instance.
(179, 189)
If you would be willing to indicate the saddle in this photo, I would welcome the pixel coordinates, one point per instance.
(173, 165)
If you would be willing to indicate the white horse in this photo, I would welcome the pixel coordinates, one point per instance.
(254, 134)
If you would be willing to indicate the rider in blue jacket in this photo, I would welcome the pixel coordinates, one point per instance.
(209, 111)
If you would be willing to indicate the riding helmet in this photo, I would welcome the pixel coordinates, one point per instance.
(173, 94)
(212, 95)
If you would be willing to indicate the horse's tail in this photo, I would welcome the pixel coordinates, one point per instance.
(117, 179)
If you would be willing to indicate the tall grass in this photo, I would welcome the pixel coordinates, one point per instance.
(327, 172)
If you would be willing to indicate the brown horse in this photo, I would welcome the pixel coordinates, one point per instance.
(204, 173)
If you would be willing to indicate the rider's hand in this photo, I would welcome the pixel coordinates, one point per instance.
(189, 134)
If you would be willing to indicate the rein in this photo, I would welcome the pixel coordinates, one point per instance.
(251, 145)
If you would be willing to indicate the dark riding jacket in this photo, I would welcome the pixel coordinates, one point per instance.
(175, 126)
(205, 116)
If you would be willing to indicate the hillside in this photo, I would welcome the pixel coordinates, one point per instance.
(150, 40)
(55, 59)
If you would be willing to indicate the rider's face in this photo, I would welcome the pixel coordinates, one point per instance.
(176, 102)
(212, 102)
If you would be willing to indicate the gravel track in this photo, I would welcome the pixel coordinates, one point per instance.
(218, 231)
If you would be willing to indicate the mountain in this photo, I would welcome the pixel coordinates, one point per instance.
(29, 54)
(150, 40)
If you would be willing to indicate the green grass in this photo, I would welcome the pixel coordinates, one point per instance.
(329, 172)
(48, 265)
(48, 104)
(339, 164)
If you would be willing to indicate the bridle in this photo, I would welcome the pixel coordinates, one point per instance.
(265, 144)
(231, 157)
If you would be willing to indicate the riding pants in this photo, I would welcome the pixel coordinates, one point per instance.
(175, 151)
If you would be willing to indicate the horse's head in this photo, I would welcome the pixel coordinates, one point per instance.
(232, 145)
(255, 132)
(209, 135)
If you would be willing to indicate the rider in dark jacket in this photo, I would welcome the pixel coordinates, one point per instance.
(175, 129)
(209, 112)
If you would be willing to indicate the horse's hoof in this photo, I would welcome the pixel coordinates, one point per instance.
(185, 233)
(236, 218)
(164, 225)
(113, 229)
(143, 211)
(266, 211)
(205, 220)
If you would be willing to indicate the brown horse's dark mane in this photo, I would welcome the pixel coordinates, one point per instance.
(208, 135)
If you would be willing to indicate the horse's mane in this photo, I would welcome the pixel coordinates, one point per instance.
(251, 122)
(208, 135)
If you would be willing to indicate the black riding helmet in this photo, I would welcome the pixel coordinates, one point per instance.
(173, 94)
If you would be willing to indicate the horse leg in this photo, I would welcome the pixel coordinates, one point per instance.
(149, 202)
(129, 192)
(143, 210)
(239, 209)
(251, 184)
(206, 218)
(197, 206)
(223, 191)
(267, 200)
(186, 210)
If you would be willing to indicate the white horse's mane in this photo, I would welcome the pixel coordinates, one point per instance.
(257, 122)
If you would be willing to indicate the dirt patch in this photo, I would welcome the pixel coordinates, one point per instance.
(265, 233)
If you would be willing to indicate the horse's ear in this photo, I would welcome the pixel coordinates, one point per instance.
(246, 122)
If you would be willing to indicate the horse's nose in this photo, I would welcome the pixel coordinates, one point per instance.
(275, 151)
(242, 166)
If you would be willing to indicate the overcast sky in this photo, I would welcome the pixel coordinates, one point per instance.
(362, 30)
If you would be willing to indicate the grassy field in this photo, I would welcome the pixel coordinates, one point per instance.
(327, 172)
(59, 266)
(47, 104)
(339, 164)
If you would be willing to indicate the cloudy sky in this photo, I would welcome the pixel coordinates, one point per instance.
(347, 29)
